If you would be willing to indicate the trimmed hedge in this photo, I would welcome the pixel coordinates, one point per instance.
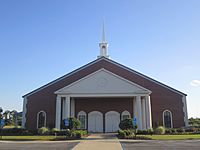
(14, 132)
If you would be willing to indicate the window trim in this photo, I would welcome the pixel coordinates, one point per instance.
(45, 116)
(84, 114)
(125, 112)
(170, 117)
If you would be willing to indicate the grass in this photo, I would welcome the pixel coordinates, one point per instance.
(174, 137)
(33, 138)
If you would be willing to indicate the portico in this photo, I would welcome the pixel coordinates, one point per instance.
(104, 85)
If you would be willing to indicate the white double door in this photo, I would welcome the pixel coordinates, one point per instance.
(112, 120)
(95, 121)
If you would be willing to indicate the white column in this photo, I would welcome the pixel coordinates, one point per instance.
(63, 109)
(144, 126)
(67, 107)
(139, 112)
(148, 112)
(24, 113)
(72, 107)
(58, 112)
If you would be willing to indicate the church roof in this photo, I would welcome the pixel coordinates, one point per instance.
(108, 61)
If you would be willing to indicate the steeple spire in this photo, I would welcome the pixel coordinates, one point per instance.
(103, 45)
(103, 34)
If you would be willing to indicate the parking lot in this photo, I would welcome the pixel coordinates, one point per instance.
(161, 145)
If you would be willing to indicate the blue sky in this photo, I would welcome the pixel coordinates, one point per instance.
(41, 40)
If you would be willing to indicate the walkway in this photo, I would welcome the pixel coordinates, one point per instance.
(99, 142)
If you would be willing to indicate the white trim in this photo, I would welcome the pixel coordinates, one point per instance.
(185, 111)
(102, 69)
(104, 95)
(125, 112)
(45, 116)
(170, 117)
(24, 112)
(84, 114)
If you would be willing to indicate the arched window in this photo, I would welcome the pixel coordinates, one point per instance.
(125, 115)
(167, 119)
(82, 119)
(41, 119)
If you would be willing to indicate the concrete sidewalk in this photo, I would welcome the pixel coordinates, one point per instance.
(99, 142)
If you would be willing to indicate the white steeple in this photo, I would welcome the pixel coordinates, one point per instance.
(103, 45)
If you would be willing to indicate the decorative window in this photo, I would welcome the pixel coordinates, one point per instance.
(167, 119)
(82, 119)
(125, 115)
(41, 119)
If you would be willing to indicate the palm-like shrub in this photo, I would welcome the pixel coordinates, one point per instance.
(43, 131)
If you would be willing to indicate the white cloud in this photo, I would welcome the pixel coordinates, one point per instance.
(195, 83)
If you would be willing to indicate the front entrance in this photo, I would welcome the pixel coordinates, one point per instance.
(112, 120)
(95, 121)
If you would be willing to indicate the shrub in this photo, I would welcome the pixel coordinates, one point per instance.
(76, 134)
(128, 132)
(121, 134)
(191, 129)
(150, 131)
(174, 131)
(126, 124)
(43, 131)
(181, 130)
(54, 131)
(74, 123)
(160, 130)
(142, 132)
(14, 131)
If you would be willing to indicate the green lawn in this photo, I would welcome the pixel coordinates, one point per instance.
(174, 137)
(32, 138)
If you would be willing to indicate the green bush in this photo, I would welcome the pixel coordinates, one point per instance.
(121, 134)
(128, 132)
(181, 130)
(14, 131)
(150, 131)
(54, 131)
(74, 123)
(126, 124)
(76, 134)
(160, 130)
(174, 131)
(43, 131)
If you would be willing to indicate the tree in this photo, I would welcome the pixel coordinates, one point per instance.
(13, 117)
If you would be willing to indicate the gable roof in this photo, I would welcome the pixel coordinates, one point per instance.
(103, 81)
(110, 61)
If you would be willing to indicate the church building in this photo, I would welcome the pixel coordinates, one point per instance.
(101, 94)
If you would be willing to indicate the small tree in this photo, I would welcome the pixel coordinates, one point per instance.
(73, 123)
(126, 124)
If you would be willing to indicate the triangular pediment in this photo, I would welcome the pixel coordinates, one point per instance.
(103, 82)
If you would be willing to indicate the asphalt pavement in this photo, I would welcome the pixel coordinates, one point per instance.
(160, 145)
